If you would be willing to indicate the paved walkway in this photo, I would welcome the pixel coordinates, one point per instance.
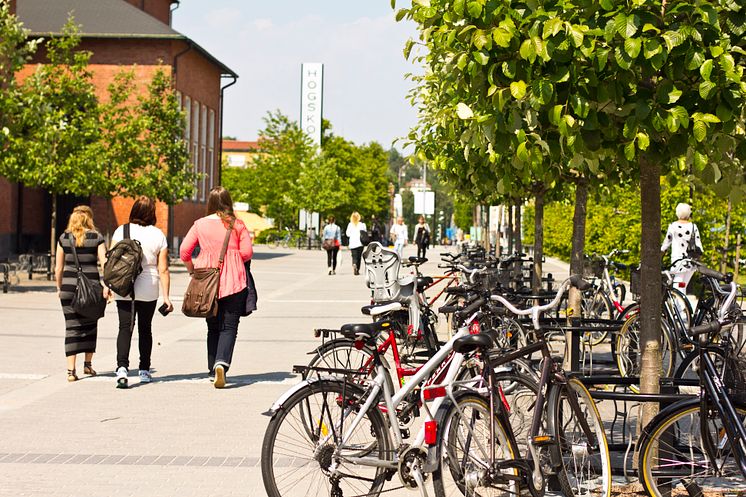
(177, 436)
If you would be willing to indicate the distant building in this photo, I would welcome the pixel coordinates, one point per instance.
(417, 185)
(122, 34)
(239, 153)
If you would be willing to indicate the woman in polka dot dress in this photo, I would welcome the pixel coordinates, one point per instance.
(677, 238)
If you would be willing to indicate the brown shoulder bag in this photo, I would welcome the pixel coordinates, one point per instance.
(201, 298)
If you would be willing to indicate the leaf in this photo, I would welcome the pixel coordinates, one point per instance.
(580, 105)
(464, 111)
(682, 115)
(632, 46)
(643, 141)
(502, 37)
(458, 6)
(707, 89)
(491, 90)
(629, 150)
(649, 27)
(462, 61)
(528, 50)
(502, 98)
(555, 115)
(706, 69)
(479, 39)
(694, 60)
(674, 95)
(628, 27)
(518, 89)
(576, 34)
(522, 152)
(408, 48)
(482, 58)
(401, 13)
(474, 9)
(708, 118)
(673, 39)
(607, 4)
(700, 131)
(551, 28)
(424, 3)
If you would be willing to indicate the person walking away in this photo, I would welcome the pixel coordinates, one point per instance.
(331, 241)
(80, 331)
(154, 274)
(209, 233)
(356, 245)
(376, 230)
(683, 239)
(422, 237)
(400, 235)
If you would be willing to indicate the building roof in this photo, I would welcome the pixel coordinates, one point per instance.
(239, 146)
(101, 19)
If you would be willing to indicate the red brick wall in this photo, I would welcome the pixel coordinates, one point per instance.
(160, 9)
(110, 213)
(12, 6)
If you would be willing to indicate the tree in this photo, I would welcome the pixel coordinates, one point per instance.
(601, 87)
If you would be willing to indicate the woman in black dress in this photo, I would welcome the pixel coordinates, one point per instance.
(80, 332)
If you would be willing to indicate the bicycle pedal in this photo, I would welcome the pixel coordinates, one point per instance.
(543, 440)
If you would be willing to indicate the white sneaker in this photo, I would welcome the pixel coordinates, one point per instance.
(145, 376)
(219, 376)
(121, 377)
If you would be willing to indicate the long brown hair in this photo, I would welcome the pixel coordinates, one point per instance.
(80, 222)
(219, 202)
(143, 211)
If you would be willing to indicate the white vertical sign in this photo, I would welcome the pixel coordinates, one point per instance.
(311, 99)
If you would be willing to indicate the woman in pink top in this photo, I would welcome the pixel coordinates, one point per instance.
(209, 233)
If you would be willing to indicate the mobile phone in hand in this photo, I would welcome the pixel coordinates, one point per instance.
(164, 310)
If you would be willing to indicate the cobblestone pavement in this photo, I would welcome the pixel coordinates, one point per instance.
(177, 436)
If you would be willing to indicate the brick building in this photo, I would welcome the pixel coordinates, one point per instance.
(122, 33)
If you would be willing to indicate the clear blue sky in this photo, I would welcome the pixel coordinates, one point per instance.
(265, 42)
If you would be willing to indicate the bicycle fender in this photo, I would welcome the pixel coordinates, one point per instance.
(300, 386)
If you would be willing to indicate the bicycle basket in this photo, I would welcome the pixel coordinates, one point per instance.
(634, 281)
(734, 376)
(593, 267)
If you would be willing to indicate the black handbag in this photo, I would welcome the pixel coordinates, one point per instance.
(692, 250)
(88, 300)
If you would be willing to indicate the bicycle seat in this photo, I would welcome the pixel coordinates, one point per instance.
(364, 331)
(423, 282)
(381, 308)
(417, 260)
(469, 343)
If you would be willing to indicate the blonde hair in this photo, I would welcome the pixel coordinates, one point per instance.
(80, 222)
(355, 217)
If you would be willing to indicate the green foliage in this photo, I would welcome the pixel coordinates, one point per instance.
(463, 213)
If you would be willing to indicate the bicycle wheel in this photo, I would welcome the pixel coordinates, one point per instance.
(520, 391)
(627, 349)
(673, 455)
(302, 452)
(273, 241)
(585, 468)
(689, 369)
(341, 353)
(465, 451)
(597, 306)
(682, 305)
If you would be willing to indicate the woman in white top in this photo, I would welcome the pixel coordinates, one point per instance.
(356, 245)
(154, 275)
(677, 238)
(400, 234)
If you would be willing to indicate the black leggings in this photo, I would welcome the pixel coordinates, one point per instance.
(331, 258)
(357, 253)
(421, 249)
(144, 317)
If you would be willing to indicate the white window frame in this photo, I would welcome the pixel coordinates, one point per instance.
(203, 151)
(195, 147)
(214, 168)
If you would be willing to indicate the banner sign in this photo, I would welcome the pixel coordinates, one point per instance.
(424, 203)
(311, 100)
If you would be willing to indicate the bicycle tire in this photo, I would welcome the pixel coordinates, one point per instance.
(627, 347)
(456, 475)
(273, 241)
(374, 440)
(667, 435)
(575, 458)
(681, 302)
(688, 369)
(338, 354)
(597, 307)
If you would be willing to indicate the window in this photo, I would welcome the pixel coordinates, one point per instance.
(214, 168)
(188, 115)
(195, 147)
(203, 151)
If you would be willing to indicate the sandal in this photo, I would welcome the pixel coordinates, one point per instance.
(88, 369)
(71, 376)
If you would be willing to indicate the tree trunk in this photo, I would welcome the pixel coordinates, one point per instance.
(650, 282)
(538, 241)
(53, 230)
(511, 235)
(576, 261)
(517, 227)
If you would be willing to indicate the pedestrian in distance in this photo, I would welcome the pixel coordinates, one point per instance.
(683, 239)
(331, 241)
(356, 244)
(377, 231)
(154, 275)
(422, 237)
(400, 234)
(80, 331)
(209, 233)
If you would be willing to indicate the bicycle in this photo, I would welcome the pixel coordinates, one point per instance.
(478, 449)
(285, 241)
(700, 444)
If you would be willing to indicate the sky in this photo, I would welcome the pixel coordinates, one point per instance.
(265, 42)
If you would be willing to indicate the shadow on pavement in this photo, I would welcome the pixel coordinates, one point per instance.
(263, 256)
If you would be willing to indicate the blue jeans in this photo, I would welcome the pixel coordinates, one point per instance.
(222, 330)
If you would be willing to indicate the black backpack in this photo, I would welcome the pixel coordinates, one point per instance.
(123, 265)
